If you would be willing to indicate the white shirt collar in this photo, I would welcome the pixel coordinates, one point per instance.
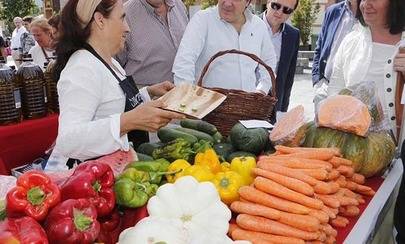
(269, 27)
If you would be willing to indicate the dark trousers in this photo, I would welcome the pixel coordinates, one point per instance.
(399, 213)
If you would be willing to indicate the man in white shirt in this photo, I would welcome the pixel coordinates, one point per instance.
(16, 40)
(229, 25)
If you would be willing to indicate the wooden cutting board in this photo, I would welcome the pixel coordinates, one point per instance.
(191, 100)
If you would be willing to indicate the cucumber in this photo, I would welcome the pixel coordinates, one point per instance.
(148, 147)
(199, 125)
(200, 135)
(239, 154)
(218, 138)
(144, 157)
(223, 150)
(168, 135)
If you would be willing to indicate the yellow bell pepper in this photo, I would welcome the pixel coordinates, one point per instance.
(225, 167)
(208, 158)
(177, 166)
(244, 166)
(199, 172)
(228, 184)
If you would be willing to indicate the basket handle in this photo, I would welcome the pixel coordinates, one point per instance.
(252, 56)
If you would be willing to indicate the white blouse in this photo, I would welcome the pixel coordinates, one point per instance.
(91, 103)
(352, 64)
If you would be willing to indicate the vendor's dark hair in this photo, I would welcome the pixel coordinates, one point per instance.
(72, 35)
(395, 16)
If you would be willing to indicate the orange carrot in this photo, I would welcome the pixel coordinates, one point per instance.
(241, 234)
(341, 181)
(330, 212)
(319, 174)
(363, 188)
(345, 170)
(295, 163)
(337, 161)
(358, 178)
(253, 195)
(328, 200)
(320, 215)
(328, 230)
(349, 211)
(291, 183)
(303, 222)
(261, 224)
(330, 240)
(278, 190)
(339, 222)
(322, 237)
(231, 228)
(288, 172)
(255, 209)
(290, 150)
(368, 193)
(346, 201)
(333, 175)
(326, 187)
(319, 155)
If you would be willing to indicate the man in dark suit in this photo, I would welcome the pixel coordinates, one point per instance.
(286, 40)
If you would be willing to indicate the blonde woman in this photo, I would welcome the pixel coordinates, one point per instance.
(42, 52)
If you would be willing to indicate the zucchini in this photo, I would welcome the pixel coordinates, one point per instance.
(199, 125)
(144, 157)
(239, 154)
(168, 135)
(218, 138)
(200, 135)
(148, 147)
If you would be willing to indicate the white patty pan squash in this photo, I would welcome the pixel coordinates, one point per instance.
(197, 205)
(155, 230)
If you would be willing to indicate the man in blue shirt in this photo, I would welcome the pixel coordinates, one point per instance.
(286, 40)
(338, 22)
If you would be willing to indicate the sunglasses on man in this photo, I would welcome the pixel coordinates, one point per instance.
(276, 6)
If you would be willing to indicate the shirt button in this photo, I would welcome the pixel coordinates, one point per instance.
(389, 61)
(393, 118)
(389, 89)
(391, 105)
(388, 76)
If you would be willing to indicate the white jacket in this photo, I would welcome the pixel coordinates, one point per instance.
(352, 63)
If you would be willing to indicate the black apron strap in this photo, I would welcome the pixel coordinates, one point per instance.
(132, 99)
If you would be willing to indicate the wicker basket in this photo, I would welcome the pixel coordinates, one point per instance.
(240, 105)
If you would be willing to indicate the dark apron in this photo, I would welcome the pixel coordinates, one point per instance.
(132, 99)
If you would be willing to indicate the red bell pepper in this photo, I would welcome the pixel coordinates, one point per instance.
(73, 221)
(110, 228)
(24, 230)
(33, 196)
(93, 181)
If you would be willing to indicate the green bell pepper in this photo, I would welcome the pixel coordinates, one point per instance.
(133, 194)
(177, 149)
(155, 169)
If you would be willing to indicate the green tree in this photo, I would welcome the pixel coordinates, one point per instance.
(13, 8)
(304, 17)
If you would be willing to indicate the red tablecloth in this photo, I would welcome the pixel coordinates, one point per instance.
(26, 141)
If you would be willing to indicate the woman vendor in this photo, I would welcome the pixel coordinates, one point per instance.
(101, 110)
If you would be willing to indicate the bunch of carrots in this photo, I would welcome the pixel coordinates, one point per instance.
(299, 195)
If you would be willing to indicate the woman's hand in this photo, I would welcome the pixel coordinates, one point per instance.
(147, 117)
(160, 89)
(399, 63)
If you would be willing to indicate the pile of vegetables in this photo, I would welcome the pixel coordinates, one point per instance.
(299, 195)
(182, 213)
(370, 153)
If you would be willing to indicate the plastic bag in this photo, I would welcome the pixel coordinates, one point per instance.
(290, 128)
(6, 183)
(367, 93)
(344, 113)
